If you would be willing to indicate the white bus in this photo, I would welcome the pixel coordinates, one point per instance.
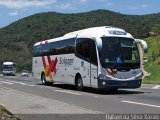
(99, 57)
(8, 68)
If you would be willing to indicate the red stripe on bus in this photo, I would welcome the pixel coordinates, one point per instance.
(55, 70)
(46, 42)
(49, 59)
(111, 72)
(50, 67)
(54, 65)
(48, 71)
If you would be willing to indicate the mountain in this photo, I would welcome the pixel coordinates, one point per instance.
(18, 38)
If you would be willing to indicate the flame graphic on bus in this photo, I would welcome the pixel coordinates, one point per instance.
(50, 67)
(111, 72)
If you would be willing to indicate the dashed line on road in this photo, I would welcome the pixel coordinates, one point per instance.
(144, 104)
(20, 83)
(13, 82)
(6, 82)
(67, 92)
(156, 87)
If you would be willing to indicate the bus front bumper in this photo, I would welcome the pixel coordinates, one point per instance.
(7, 73)
(114, 84)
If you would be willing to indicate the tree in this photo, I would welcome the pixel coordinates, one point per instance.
(156, 29)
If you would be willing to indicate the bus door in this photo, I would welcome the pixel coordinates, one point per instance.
(86, 51)
(83, 46)
(93, 65)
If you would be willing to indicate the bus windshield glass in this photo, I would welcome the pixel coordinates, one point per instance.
(7, 67)
(119, 53)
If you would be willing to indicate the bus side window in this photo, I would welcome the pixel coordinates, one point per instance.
(93, 53)
(83, 48)
(86, 49)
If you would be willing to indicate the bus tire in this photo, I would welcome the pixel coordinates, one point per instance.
(113, 90)
(49, 83)
(79, 84)
(43, 79)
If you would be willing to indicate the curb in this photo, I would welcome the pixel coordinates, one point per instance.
(151, 86)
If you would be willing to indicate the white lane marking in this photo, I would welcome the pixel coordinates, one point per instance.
(156, 87)
(150, 105)
(21, 83)
(12, 82)
(6, 82)
(67, 92)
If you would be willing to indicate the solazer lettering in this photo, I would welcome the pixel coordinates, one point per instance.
(65, 61)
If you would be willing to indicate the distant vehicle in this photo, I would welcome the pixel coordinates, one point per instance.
(100, 57)
(9, 68)
(25, 73)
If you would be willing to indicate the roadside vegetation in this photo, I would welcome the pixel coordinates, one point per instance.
(6, 115)
(18, 38)
(153, 55)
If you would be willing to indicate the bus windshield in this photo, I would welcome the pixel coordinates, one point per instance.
(7, 67)
(119, 53)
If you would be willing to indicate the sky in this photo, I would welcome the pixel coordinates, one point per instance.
(13, 10)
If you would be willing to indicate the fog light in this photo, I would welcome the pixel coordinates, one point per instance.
(103, 83)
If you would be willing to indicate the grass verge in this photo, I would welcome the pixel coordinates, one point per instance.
(153, 64)
(6, 115)
(154, 69)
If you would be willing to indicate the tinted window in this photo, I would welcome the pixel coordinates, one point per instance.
(55, 48)
(83, 48)
(93, 54)
(86, 49)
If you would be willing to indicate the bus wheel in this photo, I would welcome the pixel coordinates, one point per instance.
(79, 84)
(113, 90)
(43, 79)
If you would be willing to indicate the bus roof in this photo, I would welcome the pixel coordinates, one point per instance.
(8, 63)
(94, 32)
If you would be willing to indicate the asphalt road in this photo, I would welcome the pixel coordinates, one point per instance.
(145, 100)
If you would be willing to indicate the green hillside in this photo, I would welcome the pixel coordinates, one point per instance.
(153, 64)
(17, 39)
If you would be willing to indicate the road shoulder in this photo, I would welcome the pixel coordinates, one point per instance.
(22, 103)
